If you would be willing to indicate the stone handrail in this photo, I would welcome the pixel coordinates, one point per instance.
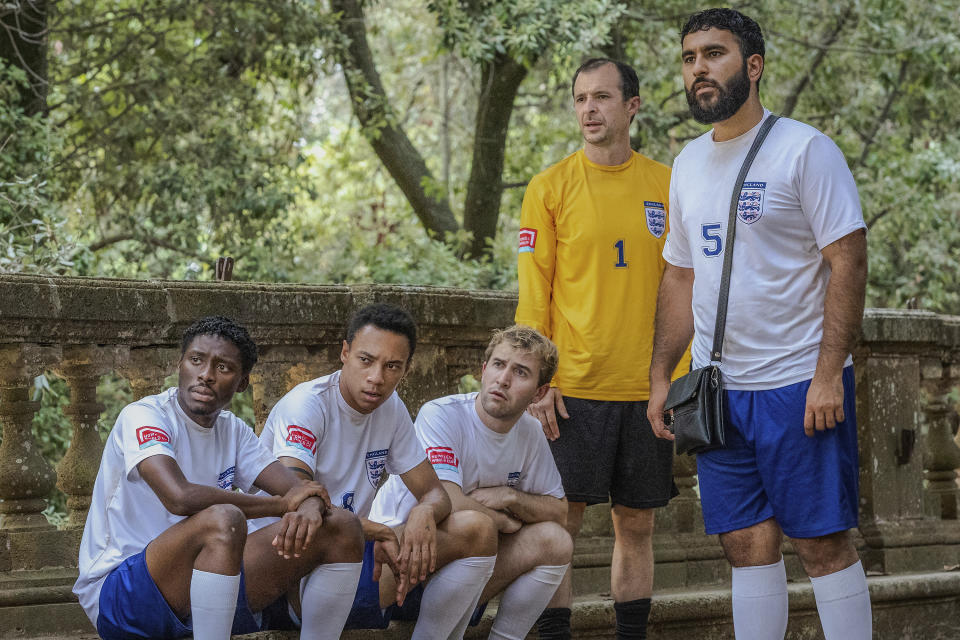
(908, 362)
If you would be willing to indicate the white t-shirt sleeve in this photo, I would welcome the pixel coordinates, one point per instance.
(405, 450)
(144, 432)
(441, 442)
(543, 478)
(676, 249)
(297, 423)
(828, 194)
(253, 456)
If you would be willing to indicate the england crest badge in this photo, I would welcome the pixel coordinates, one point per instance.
(750, 205)
(656, 217)
(376, 462)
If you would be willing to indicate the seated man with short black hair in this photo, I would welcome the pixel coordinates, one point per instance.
(491, 457)
(165, 551)
(348, 428)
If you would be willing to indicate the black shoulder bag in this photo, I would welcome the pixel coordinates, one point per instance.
(697, 398)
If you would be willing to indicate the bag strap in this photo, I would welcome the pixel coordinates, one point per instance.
(731, 234)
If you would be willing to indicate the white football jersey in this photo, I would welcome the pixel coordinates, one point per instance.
(348, 450)
(125, 514)
(798, 197)
(464, 450)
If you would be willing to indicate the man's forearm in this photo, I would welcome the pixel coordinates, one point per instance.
(462, 502)
(673, 326)
(531, 507)
(437, 500)
(196, 498)
(843, 302)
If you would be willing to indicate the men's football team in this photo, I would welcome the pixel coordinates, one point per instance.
(345, 513)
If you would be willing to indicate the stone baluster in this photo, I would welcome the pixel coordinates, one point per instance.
(683, 512)
(81, 367)
(26, 479)
(942, 455)
(279, 369)
(145, 368)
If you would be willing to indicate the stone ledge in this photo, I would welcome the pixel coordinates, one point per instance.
(83, 310)
(917, 606)
(155, 312)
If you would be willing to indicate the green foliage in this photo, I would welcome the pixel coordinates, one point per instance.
(180, 131)
(523, 29)
(181, 125)
(33, 237)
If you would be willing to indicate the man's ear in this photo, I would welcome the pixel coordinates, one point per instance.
(541, 391)
(635, 103)
(755, 67)
(344, 352)
(244, 383)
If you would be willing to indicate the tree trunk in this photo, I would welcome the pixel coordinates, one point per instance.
(389, 141)
(500, 80)
(23, 44)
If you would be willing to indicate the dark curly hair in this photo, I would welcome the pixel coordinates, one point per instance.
(386, 317)
(744, 28)
(228, 330)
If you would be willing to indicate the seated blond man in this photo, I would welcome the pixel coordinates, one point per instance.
(491, 457)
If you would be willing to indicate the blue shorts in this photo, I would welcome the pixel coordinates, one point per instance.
(366, 612)
(771, 469)
(132, 607)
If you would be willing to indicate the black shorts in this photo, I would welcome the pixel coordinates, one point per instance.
(607, 451)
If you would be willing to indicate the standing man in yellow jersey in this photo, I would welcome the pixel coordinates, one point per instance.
(593, 229)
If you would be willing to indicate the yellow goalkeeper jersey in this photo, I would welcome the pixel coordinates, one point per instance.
(590, 261)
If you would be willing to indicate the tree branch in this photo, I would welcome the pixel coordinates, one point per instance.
(829, 37)
(388, 139)
(885, 113)
(500, 80)
(877, 217)
(117, 238)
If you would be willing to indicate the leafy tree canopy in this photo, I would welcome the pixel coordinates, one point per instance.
(348, 141)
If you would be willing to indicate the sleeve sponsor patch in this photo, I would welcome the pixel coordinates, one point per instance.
(528, 240)
(444, 458)
(301, 438)
(151, 436)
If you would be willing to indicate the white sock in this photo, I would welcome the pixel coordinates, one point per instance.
(213, 601)
(450, 597)
(844, 604)
(524, 600)
(326, 596)
(760, 602)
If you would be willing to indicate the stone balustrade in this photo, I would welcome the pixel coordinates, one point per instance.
(908, 371)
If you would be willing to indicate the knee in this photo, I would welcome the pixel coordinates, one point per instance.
(554, 542)
(825, 555)
(474, 532)
(634, 526)
(344, 541)
(223, 524)
(755, 546)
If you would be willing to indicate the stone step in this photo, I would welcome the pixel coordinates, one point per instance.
(918, 606)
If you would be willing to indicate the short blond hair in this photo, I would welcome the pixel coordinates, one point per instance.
(529, 340)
